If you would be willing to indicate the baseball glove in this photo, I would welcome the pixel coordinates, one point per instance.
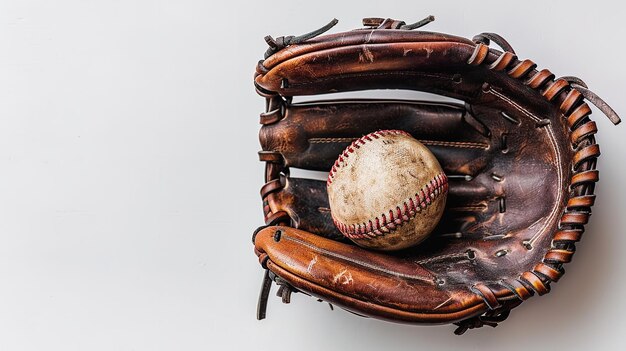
(519, 153)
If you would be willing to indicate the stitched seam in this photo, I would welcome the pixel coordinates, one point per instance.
(330, 140)
(359, 262)
(443, 257)
(389, 221)
(401, 73)
(357, 145)
(460, 144)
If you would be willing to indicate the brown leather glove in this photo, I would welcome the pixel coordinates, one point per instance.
(520, 156)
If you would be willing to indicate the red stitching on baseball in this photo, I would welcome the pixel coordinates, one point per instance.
(381, 226)
(350, 149)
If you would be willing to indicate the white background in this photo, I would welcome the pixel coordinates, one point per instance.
(129, 177)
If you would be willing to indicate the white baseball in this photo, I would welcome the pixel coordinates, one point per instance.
(387, 191)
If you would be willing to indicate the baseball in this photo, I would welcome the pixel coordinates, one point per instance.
(386, 191)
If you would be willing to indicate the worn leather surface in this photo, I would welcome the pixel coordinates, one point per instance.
(520, 175)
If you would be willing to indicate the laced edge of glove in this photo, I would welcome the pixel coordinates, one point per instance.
(571, 224)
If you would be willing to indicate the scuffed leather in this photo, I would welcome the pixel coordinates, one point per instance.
(506, 150)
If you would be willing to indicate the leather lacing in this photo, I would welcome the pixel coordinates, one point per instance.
(567, 92)
(279, 43)
(282, 42)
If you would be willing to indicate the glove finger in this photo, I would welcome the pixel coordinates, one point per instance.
(355, 274)
(306, 203)
(312, 135)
